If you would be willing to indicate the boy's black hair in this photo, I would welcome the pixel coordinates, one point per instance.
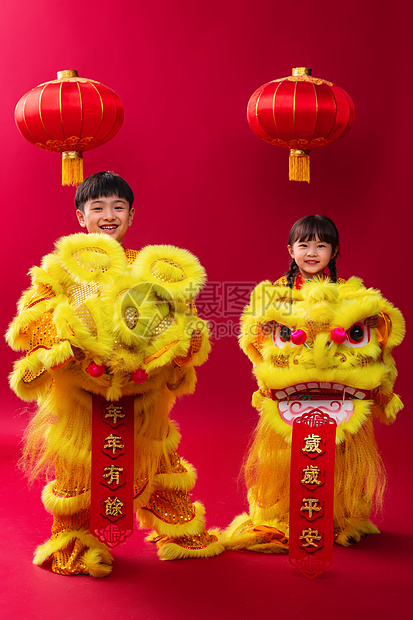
(102, 184)
(307, 229)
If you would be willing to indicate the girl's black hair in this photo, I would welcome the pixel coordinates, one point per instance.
(307, 229)
(102, 184)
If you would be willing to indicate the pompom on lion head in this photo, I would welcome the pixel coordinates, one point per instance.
(326, 346)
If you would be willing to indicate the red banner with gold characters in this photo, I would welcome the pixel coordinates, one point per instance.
(112, 477)
(312, 493)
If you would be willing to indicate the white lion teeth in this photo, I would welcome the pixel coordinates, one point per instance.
(302, 387)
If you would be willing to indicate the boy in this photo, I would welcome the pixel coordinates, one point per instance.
(111, 340)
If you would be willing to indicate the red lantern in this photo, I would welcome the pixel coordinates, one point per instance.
(300, 113)
(69, 115)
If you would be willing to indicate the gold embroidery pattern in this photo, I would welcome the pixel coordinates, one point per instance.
(72, 143)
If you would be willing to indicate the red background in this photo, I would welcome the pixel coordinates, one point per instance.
(204, 181)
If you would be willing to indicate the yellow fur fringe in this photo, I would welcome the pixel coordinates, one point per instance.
(64, 505)
(172, 551)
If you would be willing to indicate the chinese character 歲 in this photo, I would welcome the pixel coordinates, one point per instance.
(311, 475)
(312, 444)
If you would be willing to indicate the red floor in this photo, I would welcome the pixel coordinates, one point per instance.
(370, 580)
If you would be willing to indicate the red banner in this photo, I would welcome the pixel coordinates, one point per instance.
(312, 493)
(112, 476)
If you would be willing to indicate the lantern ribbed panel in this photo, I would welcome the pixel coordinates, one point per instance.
(69, 115)
(300, 112)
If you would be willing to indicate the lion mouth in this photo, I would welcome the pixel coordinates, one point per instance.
(334, 399)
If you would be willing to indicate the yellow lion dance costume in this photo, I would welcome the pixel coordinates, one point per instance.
(353, 378)
(125, 310)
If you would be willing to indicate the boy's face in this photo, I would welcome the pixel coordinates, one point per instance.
(107, 214)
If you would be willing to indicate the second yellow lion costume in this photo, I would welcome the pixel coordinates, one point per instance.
(338, 360)
(126, 313)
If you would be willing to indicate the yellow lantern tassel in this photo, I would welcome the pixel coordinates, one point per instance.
(299, 165)
(72, 168)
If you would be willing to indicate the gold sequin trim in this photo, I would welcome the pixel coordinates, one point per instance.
(139, 487)
(68, 561)
(171, 506)
(130, 255)
(173, 467)
(163, 325)
(364, 360)
(29, 376)
(197, 541)
(315, 327)
(78, 293)
(63, 523)
(192, 307)
(43, 333)
(66, 492)
(42, 293)
(84, 315)
(131, 316)
(280, 361)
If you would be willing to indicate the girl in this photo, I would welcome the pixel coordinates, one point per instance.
(313, 244)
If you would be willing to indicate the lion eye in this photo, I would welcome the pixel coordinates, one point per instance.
(358, 335)
(281, 335)
(285, 333)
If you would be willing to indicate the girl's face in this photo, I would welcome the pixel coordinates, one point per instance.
(312, 257)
